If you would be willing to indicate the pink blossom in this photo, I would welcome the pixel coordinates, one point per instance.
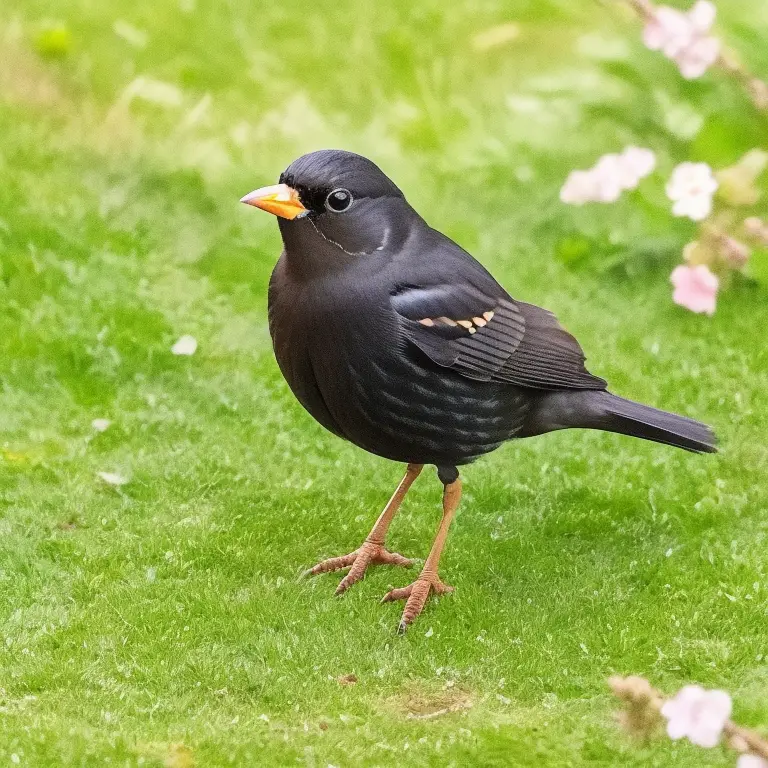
(684, 38)
(669, 31)
(694, 60)
(751, 761)
(698, 714)
(609, 177)
(579, 188)
(702, 16)
(638, 162)
(695, 289)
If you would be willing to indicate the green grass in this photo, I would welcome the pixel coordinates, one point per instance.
(170, 613)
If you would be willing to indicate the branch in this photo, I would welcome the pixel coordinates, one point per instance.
(756, 88)
(643, 713)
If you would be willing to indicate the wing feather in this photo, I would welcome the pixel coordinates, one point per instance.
(521, 343)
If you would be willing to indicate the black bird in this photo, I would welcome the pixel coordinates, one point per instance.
(393, 337)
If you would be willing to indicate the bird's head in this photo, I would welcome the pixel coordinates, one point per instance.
(334, 205)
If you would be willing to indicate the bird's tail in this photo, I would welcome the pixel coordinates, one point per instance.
(629, 418)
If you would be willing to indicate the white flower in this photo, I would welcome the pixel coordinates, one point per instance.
(698, 57)
(698, 714)
(751, 761)
(186, 345)
(691, 188)
(101, 425)
(112, 478)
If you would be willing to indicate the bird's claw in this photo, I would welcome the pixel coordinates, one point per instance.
(357, 562)
(415, 595)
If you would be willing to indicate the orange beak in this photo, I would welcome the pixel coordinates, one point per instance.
(279, 199)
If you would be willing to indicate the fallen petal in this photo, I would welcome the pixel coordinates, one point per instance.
(186, 345)
(112, 478)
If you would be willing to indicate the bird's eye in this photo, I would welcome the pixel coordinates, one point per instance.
(339, 200)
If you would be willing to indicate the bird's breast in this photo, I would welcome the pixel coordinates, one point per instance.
(349, 364)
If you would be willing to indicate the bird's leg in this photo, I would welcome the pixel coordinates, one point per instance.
(372, 550)
(416, 594)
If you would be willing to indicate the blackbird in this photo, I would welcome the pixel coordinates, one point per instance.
(393, 337)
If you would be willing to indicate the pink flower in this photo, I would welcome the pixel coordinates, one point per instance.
(702, 16)
(751, 761)
(691, 188)
(695, 289)
(609, 177)
(698, 714)
(669, 31)
(638, 163)
(579, 188)
(698, 57)
(684, 38)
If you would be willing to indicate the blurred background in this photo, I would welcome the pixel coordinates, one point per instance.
(128, 133)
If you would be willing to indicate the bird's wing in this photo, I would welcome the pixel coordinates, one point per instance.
(484, 334)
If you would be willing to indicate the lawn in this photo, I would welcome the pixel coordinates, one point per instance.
(163, 622)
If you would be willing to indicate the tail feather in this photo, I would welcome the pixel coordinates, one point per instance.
(629, 418)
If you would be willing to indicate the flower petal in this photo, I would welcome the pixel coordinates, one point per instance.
(695, 59)
(719, 703)
(695, 289)
(677, 728)
(751, 761)
(702, 16)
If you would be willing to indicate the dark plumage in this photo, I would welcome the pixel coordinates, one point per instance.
(394, 338)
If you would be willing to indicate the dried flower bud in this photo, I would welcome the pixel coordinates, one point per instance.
(700, 252)
(641, 716)
(738, 182)
(633, 689)
(734, 252)
(758, 90)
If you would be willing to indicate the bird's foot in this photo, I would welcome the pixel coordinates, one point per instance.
(416, 595)
(357, 562)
